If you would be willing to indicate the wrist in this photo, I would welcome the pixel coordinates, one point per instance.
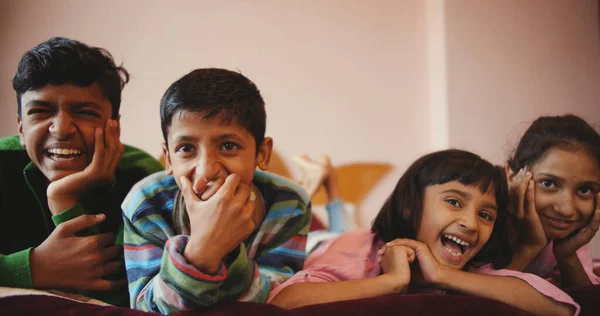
(201, 258)
(57, 204)
(390, 284)
(566, 258)
(529, 251)
(444, 278)
(38, 277)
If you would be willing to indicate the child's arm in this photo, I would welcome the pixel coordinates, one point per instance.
(510, 290)
(320, 289)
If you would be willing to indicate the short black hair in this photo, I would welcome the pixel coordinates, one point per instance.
(60, 60)
(400, 216)
(213, 92)
(568, 132)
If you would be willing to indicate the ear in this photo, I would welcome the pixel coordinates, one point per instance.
(20, 130)
(167, 159)
(510, 175)
(263, 156)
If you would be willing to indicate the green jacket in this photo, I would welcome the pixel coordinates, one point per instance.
(26, 220)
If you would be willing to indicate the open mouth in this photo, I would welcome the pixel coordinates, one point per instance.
(454, 246)
(64, 153)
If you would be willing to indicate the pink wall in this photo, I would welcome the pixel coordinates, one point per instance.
(511, 61)
(344, 78)
(379, 81)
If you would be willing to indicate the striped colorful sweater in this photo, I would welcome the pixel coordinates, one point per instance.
(161, 280)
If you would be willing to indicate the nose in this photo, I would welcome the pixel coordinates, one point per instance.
(566, 205)
(62, 125)
(207, 165)
(468, 220)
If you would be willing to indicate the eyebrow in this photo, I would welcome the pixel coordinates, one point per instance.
(226, 137)
(88, 104)
(39, 103)
(52, 104)
(184, 138)
(468, 196)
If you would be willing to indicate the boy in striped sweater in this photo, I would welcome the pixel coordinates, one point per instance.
(211, 228)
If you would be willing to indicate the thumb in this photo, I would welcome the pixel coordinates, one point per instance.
(77, 224)
(186, 190)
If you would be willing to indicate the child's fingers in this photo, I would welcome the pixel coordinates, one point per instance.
(186, 190)
(411, 243)
(109, 131)
(114, 146)
(229, 186)
(210, 189)
(98, 156)
(242, 194)
(199, 186)
(595, 222)
(519, 209)
(79, 223)
(530, 198)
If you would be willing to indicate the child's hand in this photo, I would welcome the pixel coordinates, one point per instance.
(429, 270)
(218, 225)
(568, 246)
(108, 150)
(527, 224)
(66, 261)
(395, 262)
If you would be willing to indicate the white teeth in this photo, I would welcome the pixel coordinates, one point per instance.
(64, 151)
(457, 240)
(452, 252)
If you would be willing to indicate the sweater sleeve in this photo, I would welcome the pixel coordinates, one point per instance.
(161, 280)
(14, 269)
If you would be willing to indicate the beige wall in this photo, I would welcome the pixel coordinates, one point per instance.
(362, 81)
(339, 77)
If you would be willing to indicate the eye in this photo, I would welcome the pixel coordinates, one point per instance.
(547, 183)
(36, 111)
(586, 191)
(229, 146)
(453, 202)
(487, 216)
(89, 113)
(185, 148)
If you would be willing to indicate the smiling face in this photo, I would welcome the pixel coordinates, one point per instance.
(57, 126)
(457, 221)
(211, 149)
(566, 183)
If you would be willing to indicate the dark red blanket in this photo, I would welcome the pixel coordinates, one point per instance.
(418, 304)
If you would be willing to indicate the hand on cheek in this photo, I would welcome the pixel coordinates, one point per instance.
(108, 149)
(568, 246)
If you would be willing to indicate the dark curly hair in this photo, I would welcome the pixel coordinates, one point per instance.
(61, 60)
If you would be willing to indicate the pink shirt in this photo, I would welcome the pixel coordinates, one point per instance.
(353, 256)
(544, 265)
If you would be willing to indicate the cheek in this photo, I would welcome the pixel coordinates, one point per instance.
(485, 232)
(543, 199)
(586, 208)
(244, 166)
